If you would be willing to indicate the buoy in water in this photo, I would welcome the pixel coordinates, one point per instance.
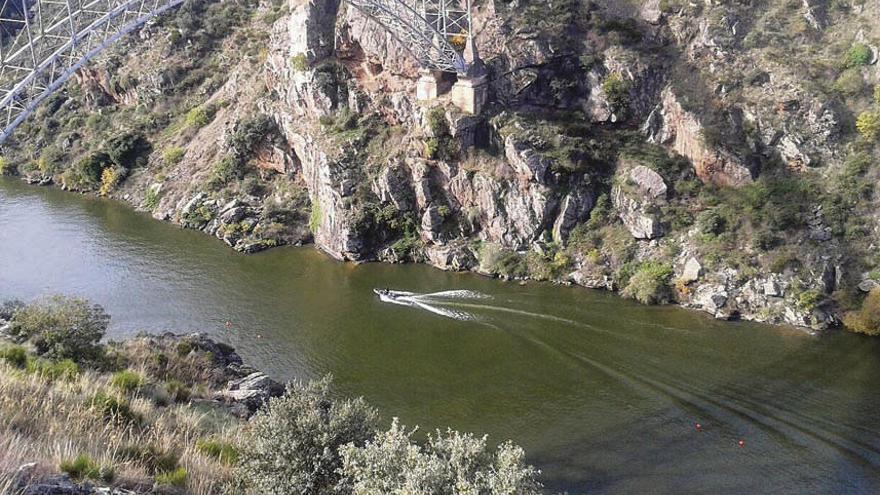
(698, 426)
(741, 443)
(228, 324)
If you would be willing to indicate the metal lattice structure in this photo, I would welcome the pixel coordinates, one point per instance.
(44, 42)
(434, 31)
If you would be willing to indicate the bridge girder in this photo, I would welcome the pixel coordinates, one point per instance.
(434, 31)
(44, 42)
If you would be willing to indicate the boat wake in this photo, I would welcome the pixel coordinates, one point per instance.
(432, 302)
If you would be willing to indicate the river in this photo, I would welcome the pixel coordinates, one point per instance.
(603, 393)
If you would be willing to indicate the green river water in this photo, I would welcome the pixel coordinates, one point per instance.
(601, 392)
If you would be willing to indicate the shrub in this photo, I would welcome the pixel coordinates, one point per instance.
(110, 177)
(292, 444)
(868, 124)
(173, 155)
(114, 408)
(198, 117)
(151, 198)
(449, 462)
(223, 452)
(876, 99)
(62, 328)
(299, 62)
(711, 222)
(849, 83)
(64, 369)
(172, 478)
(86, 172)
(858, 55)
(8, 168)
(152, 458)
(15, 355)
(127, 380)
(315, 217)
(84, 467)
(177, 390)
(867, 319)
(616, 89)
(650, 283)
(128, 150)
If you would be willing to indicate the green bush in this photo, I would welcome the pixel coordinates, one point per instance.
(115, 409)
(62, 328)
(177, 390)
(223, 452)
(152, 458)
(128, 150)
(9, 168)
(292, 444)
(151, 198)
(449, 462)
(176, 478)
(127, 381)
(858, 55)
(849, 83)
(868, 124)
(650, 283)
(299, 62)
(876, 98)
(84, 467)
(199, 117)
(173, 155)
(616, 89)
(86, 172)
(15, 355)
(867, 319)
(64, 369)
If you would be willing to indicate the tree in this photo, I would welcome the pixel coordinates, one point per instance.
(449, 463)
(292, 445)
(868, 125)
(867, 319)
(61, 328)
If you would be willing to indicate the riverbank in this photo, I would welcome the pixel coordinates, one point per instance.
(182, 414)
(773, 298)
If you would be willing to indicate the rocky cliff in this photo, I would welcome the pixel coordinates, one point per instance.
(707, 154)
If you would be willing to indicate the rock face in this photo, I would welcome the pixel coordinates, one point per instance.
(637, 197)
(670, 124)
(252, 391)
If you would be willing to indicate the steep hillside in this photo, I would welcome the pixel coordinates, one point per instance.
(721, 155)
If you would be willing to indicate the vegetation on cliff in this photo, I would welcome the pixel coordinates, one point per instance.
(151, 415)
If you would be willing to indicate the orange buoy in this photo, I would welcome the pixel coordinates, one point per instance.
(698, 426)
(228, 323)
(741, 444)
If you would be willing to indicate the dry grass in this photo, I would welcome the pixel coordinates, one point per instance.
(48, 422)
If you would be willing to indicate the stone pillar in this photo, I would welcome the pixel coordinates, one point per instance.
(428, 86)
(471, 93)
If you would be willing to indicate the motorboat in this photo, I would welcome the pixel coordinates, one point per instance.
(393, 296)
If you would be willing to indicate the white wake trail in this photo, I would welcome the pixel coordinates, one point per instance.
(454, 294)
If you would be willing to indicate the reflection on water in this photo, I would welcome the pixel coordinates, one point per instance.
(604, 394)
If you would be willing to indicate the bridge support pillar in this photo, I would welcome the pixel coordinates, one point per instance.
(471, 93)
(428, 86)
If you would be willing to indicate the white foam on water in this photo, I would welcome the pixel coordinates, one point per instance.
(413, 299)
(454, 294)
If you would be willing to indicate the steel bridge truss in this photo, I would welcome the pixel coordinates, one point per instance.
(434, 31)
(44, 42)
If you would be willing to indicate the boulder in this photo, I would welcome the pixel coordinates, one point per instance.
(637, 198)
(253, 391)
(692, 272)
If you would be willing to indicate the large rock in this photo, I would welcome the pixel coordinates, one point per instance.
(253, 391)
(670, 124)
(692, 271)
(637, 197)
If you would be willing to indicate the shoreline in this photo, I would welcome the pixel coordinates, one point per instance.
(128, 203)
